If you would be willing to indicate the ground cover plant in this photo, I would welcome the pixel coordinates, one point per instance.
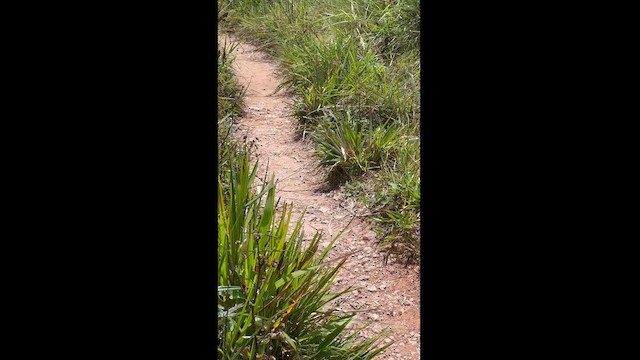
(273, 293)
(354, 70)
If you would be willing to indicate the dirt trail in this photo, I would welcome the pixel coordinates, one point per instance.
(388, 295)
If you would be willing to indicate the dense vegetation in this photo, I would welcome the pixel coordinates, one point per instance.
(353, 68)
(273, 293)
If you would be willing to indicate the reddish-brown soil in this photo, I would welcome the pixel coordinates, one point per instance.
(387, 295)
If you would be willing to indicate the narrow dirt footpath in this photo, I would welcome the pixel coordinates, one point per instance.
(388, 295)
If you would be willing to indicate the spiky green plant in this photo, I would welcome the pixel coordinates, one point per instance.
(349, 147)
(273, 293)
(341, 146)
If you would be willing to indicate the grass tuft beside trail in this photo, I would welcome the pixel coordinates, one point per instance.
(274, 299)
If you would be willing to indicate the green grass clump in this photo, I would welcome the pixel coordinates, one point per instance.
(396, 205)
(344, 72)
(392, 26)
(349, 147)
(273, 293)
